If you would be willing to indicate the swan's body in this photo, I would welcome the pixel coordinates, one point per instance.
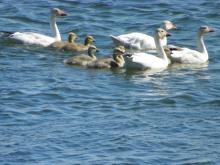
(149, 61)
(139, 41)
(189, 56)
(31, 38)
(83, 60)
(117, 60)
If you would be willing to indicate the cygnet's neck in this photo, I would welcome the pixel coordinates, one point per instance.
(70, 39)
(92, 53)
(118, 58)
(87, 42)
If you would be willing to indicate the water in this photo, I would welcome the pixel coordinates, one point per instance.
(56, 114)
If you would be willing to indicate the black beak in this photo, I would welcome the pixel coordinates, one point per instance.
(211, 30)
(63, 14)
(168, 34)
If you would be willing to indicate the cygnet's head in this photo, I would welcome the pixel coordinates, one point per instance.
(58, 12)
(161, 33)
(89, 40)
(119, 50)
(168, 25)
(92, 50)
(72, 37)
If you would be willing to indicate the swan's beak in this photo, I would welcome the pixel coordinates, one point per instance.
(174, 26)
(211, 30)
(62, 13)
(168, 34)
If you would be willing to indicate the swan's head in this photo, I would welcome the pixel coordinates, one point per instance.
(89, 40)
(58, 12)
(168, 25)
(161, 33)
(92, 51)
(72, 37)
(205, 29)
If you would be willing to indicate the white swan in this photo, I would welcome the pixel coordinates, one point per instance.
(149, 61)
(31, 38)
(139, 41)
(189, 56)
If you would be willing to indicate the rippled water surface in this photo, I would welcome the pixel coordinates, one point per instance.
(54, 114)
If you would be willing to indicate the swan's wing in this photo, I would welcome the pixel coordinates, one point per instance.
(136, 41)
(142, 42)
(117, 41)
(143, 61)
(32, 38)
(186, 55)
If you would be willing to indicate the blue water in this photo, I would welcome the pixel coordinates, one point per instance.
(55, 114)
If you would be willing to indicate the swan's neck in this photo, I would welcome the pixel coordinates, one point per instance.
(160, 49)
(54, 28)
(200, 44)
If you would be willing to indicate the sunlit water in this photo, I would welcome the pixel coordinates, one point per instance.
(55, 114)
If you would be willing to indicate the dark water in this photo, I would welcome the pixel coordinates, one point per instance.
(55, 114)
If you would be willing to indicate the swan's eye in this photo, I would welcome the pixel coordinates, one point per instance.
(204, 27)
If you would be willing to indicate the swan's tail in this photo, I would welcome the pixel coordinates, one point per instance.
(5, 33)
(116, 40)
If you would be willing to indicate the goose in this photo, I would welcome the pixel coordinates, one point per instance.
(107, 62)
(149, 61)
(189, 56)
(60, 44)
(139, 42)
(79, 47)
(83, 59)
(31, 38)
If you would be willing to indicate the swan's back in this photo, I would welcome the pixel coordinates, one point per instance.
(189, 56)
(137, 41)
(31, 38)
(144, 61)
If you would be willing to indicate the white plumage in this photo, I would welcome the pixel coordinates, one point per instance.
(139, 41)
(149, 61)
(31, 38)
(189, 56)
